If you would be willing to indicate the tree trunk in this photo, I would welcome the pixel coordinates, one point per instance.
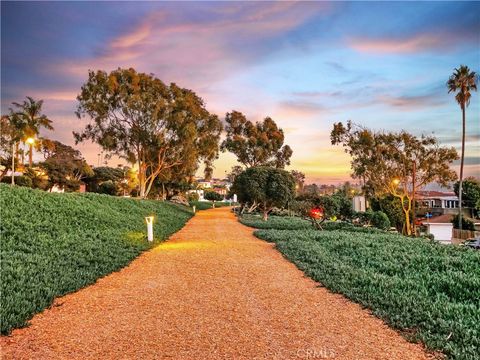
(407, 222)
(414, 211)
(265, 215)
(460, 185)
(406, 211)
(141, 179)
(30, 156)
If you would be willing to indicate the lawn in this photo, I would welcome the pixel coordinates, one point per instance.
(53, 244)
(430, 292)
(205, 205)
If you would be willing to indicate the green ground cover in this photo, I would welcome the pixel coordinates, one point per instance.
(297, 223)
(53, 244)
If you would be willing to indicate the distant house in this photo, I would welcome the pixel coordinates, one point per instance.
(204, 184)
(438, 202)
(218, 185)
(221, 190)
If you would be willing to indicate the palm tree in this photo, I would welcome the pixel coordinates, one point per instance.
(31, 112)
(462, 82)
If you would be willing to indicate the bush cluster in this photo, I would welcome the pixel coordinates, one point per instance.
(53, 244)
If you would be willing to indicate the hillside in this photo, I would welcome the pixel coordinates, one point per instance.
(53, 244)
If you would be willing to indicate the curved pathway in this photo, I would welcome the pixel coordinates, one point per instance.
(213, 291)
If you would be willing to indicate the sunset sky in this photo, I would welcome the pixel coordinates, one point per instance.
(307, 65)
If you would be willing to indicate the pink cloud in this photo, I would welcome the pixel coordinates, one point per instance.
(417, 43)
(190, 53)
(300, 109)
(410, 103)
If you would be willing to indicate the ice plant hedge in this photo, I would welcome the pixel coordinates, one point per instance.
(53, 244)
(430, 292)
(297, 223)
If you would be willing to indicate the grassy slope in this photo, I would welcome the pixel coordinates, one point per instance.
(53, 244)
(429, 290)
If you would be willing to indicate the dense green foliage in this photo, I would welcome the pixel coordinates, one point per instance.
(255, 144)
(265, 186)
(19, 180)
(428, 290)
(391, 207)
(297, 223)
(53, 244)
(213, 196)
(466, 223)
(380, 158)
(108, 180)
(380, 220)
(470, 194)
(65, 167)
(165, 129)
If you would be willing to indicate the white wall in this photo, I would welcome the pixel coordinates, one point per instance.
(359, 203)
(441, 232)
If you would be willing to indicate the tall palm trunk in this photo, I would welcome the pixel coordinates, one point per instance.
(460, 185)
(30, 156)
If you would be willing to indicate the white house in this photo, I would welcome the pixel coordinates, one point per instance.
(438, 200)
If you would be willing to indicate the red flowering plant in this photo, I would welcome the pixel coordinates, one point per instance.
(317, 208)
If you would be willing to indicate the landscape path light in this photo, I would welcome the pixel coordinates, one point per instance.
(194, 208)
(149, 220)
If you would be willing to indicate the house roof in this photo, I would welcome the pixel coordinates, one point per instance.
(441, 219)
(435, 194)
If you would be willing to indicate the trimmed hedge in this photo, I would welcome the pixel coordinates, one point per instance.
(297, 223)
(430, 291)
(53, 244)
